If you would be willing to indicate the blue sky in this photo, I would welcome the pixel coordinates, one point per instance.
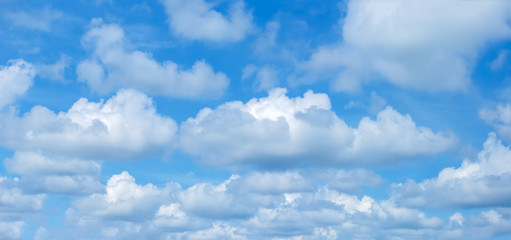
(244, 119)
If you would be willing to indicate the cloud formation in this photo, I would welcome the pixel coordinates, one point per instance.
(282, 131)
(197, 20)
(56, 174)
(129, 210)
(482, 182)
(126, 126)
(422, 45)
(15, 79)
(112, 65)
(15, 204)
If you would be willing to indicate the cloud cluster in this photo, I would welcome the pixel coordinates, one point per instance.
(481, 182)
(415, 44)
(204, 211)
(62, 152)
(15, 204)
(282, 131)
(113, 65)
(197, 20)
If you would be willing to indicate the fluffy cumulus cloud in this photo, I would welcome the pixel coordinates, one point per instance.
(15, 79)
(481, 182)
(415, 44)
(128, 210)
(15, 204)
(198, 20)
(126, 126)
(281, 131)
(499, 118)
(113, 65)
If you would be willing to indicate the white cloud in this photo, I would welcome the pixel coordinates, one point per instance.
(15, 204)
(131, 211)
(113, 65)
(499, 118)
(37, 19)
(15, 79)
(275, 182)
(348, 181)
(123, 199)
(126, 126)
(423, 45)
(479, 183)
(278, 131)
(218, 231)
(197, 20)
(56, 174)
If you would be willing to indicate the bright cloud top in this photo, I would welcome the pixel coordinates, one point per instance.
(416, 44)
(112, 66)
(278, 130)
(197, 20)
(479, 183)
(126, 126)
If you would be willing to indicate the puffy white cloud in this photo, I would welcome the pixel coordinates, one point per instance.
(113, 65)
(423, 45)
(197, 20)
(15, 79)
(126, 126)
(499, 118)
(37, 19)
(278, 131)
(477, 183)
(123, 199)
